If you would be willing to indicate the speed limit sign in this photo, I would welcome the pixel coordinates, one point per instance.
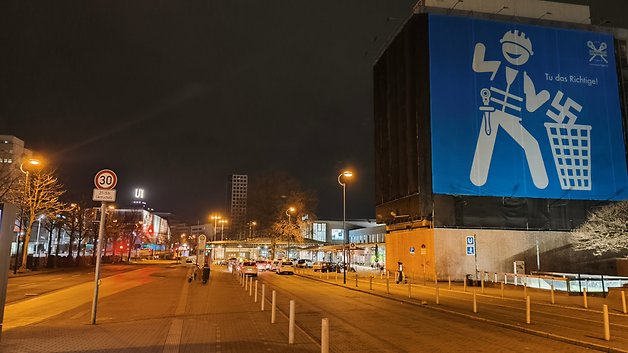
(105, 179)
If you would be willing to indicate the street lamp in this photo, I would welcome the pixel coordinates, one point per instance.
(215, 218)
(222, 228)
(32, 162)
(346, 174)
(251, 225)
(288, 211)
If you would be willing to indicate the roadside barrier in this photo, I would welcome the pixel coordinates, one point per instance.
(273, 308)
(528, 310)
(607, 330)
(324, 335)
(291, 323)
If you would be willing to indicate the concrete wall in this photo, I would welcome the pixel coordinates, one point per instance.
(445, 252)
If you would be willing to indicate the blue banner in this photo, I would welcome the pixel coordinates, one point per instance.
(524, 111)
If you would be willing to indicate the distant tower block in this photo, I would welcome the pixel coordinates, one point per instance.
(238, 185)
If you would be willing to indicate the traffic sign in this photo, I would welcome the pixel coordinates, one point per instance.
(470, 250)
(105, 179)
(470, 240)
(423, 249)
(352, 246)
(104, 195)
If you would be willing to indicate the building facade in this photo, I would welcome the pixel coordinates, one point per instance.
(485, 131)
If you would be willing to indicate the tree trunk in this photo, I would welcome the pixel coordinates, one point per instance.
(57, 247)
(27, 238)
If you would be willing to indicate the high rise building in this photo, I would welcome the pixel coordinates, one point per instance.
(12, 150)
(238, 184)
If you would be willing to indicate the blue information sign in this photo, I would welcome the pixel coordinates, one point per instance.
(524, 111)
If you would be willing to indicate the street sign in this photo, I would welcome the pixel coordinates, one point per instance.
(106, 179)
(104, 195)
(352, 246)
(470, 246)
(423, 249)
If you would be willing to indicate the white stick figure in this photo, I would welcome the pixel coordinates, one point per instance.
(516, 49)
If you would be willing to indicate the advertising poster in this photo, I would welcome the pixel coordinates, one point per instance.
(524, 111)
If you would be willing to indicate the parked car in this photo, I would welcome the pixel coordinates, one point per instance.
(249, 268)
(304, 263)
(285, 267)
(274, 265)
(262, 265)
(321, 266)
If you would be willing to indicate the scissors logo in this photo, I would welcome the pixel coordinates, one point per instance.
(597, 52)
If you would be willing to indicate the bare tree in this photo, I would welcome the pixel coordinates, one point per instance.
(37, 195)
(9, 175)
(605, 230)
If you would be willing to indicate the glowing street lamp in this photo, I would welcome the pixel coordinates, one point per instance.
(345, 174)
(288, 211)
(32, 162)
(222, 228)
(215, 218)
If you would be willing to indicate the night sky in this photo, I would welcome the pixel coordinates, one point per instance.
(177, 95)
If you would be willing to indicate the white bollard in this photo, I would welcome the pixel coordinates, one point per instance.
(250, 286)
(525, 290)
(255, 291)
(482, 283)
(528, 310)
(475, 302)
(371, 282)
(263, 295)
(584, 298)
(387, 285)
(552, 290)
(623, 301)
(273, 308)
(291, 323)
(325, 335)
(437, 294)
(409, 290)
(502, 289)
(246, 283)
(449, 282)
(607, 329)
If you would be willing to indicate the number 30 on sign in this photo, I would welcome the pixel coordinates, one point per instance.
(105, 179)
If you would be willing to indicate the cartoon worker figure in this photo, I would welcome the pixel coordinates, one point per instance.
(502, 109)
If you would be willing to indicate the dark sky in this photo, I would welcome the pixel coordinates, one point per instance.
(176, 95)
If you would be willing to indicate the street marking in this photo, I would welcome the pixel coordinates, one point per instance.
(31, 294)
(173, 339)
(26, 284)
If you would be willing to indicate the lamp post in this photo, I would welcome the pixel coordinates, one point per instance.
(251, 225)
(215, 218)
(222, 228)
(33, 162)
(346, 174)
(288, 211)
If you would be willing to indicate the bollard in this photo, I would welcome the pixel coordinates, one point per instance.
(336, 276)
(246, 283)
(482, 283)
(437, 295)
(464, 284)
(325, 335)
(291, 324)
(255, 291)
(371, 283)
(505, 278)
(327, 275)
(263, 295)
(387, 285)
(584, 298)
(475, 302)
(320, 273)
(528, 309)
(273, 308)
(251, 287)
(502, 289)
(607, 329)
(552, 291)
(356, 279)
(409, 290)
(495, 279)
(623, 301)
(525, 290)
(448, 282)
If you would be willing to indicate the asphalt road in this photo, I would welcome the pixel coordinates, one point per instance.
(362, 322)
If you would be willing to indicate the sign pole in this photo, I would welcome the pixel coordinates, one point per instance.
(101, 231)
(475, 243)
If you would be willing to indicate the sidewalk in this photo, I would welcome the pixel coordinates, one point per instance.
(164, 315)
